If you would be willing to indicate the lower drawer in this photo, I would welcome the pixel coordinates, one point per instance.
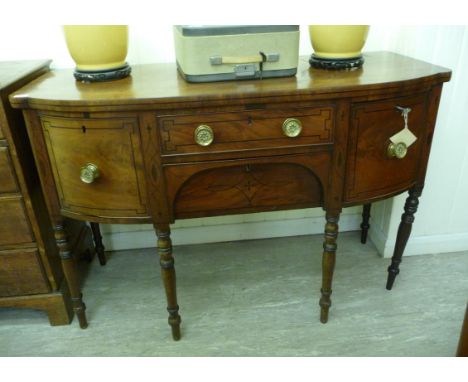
(218, 188)
(7, 176)
(21, 273)
(14, 224)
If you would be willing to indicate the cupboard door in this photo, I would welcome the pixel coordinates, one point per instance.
(97, 165)
(371, 171)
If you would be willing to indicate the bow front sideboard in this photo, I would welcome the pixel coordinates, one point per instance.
(154, 148)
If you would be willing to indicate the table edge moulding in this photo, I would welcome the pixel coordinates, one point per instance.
(154, 148)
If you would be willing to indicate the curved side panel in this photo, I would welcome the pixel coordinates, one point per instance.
(112, 146)
(371, 173)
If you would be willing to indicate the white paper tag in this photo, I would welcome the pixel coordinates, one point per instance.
(404, 136)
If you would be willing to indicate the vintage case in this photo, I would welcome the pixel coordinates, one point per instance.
(219, 53)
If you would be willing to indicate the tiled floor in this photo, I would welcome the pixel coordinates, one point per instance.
(257, 298)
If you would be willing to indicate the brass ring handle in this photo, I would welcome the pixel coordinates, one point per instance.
(89, 173)
(397, 150)
(292, 127)
(204, 135)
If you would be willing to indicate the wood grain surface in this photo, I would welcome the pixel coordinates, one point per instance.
(161, 85)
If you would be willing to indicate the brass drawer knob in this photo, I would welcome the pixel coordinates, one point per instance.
(292, 127)
(89, 173)
(397, 150)
(204, 135)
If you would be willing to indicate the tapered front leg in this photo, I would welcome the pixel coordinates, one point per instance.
(365, 222)
(328, 263)
(404, 230)
(169, 277)
(98, 243)
(70, 271)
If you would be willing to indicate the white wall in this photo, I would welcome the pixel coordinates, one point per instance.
(442, 220)
(441, 225)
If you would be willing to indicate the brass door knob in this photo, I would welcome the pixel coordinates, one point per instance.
(204, 135)
(397, 150)
(89, 173)
(292, 127)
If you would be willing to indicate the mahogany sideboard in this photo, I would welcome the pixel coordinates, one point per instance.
(31, 275)
(154, 148)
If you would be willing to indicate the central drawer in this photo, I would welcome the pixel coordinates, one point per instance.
(246, 130)
(215, 188)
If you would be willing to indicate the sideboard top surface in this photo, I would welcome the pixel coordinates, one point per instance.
(12, 71)
(159, 85)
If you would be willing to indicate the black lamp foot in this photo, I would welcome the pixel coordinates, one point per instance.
(336, 63)
(102, 75)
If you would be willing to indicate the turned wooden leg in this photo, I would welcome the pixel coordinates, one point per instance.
(328, 263)
(169, 277)
(365, 222)
(404, 230)
(98, 243)
(462, 350)
(70, 271)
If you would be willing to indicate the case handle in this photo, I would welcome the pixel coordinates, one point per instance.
(255, 58)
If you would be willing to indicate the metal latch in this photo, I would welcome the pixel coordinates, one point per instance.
(406, 135)
(245, 70)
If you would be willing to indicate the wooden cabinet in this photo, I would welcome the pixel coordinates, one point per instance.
(162, 149)
(30, 271)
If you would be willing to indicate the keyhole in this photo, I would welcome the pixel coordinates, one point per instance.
(83, 128)
(249, 120)
(247, 168)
